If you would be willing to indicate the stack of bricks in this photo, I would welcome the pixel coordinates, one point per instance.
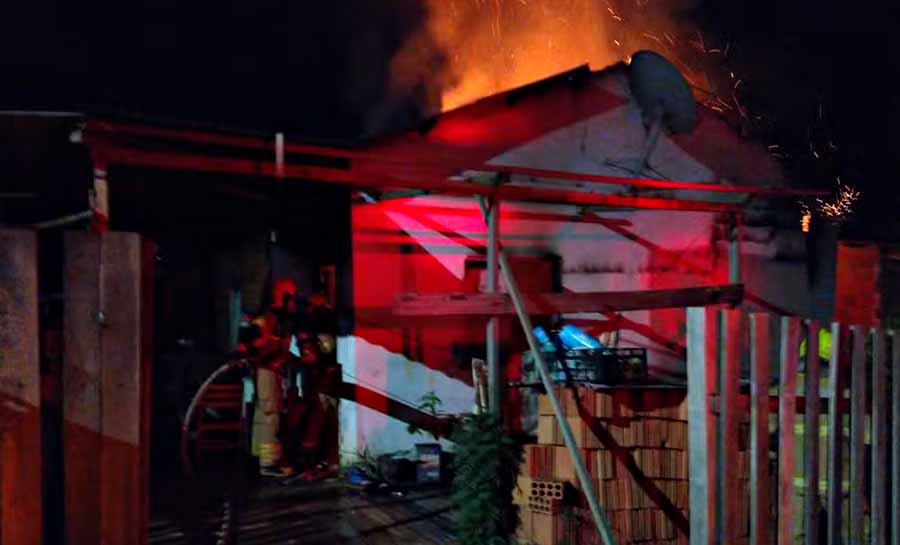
(645, 430)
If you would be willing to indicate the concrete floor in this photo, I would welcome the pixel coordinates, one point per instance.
(326, 512)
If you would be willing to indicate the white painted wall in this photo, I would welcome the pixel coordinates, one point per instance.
(405, 380)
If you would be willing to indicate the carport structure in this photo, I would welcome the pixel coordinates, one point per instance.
(479, 151)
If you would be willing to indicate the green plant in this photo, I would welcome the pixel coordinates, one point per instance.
(487, 464)
(367, 462)
(430, 403)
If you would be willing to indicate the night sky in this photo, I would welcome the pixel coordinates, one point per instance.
(317, 69)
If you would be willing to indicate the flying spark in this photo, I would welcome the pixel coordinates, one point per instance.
(842, 205)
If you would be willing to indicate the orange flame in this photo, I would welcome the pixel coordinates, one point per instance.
(496, 45)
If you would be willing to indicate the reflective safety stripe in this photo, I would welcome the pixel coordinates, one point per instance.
(824, 345)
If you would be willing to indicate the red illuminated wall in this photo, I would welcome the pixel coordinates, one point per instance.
(422, 246)
(431, 245)
(858, 291)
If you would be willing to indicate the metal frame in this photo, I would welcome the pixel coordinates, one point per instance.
(710, 522)
(102, 130)
(491, 212)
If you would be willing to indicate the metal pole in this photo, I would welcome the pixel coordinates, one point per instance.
(495, 378)
(583, 477)
(279, 154)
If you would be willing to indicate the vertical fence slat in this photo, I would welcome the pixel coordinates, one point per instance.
(21, 449)
(787, 408)
(759, 429)
(811, 436)
(837, 381)
(702, 352)
(729, 381)
(879, 438)
(106, 411)
(895, 441)
(857, 436)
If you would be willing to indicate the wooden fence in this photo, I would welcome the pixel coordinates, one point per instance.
(813, 478)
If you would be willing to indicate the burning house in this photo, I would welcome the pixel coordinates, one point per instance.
(615, 205)
(575, 136)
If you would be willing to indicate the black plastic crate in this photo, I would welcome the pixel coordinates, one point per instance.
(590, 366)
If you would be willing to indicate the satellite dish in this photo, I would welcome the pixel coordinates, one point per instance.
(661, 92)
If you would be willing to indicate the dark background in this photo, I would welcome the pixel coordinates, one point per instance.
(820, 72)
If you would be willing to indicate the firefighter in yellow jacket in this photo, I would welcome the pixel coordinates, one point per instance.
(824, 346)
(271, 348)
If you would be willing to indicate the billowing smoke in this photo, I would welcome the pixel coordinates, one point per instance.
(468, 49)
(317, 69)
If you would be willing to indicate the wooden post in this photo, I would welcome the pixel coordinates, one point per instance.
(486, 304)
(895, 438)
(834, 506)
(760, 512)
(729, 380)
(857, 436)
(21, 478)
(734, 250)
(811, 439)
(702, 355)
(106, 383)
(584, 478)
(790, 339)
(880, 446)
(100, 195)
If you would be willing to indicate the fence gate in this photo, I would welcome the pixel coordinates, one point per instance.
(820, 436)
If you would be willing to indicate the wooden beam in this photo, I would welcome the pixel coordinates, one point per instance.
(456, 161)
(106, 383)
(118, 155)
(702, 355)
(649, 183)
(357, 393)
(21, 477)
(836, 410)
(895, 441)
(858, 389)
(486, 304)
(729, 417)
(760, 513)
(790, 340)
